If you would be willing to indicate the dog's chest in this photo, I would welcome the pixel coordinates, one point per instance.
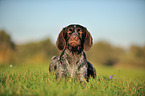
(73, 65)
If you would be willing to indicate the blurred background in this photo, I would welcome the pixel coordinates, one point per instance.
(29, 30)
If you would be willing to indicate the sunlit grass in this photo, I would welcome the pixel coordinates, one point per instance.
(36, 80)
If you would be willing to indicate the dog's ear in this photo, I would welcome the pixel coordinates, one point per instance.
(88, 41)
(61, 43)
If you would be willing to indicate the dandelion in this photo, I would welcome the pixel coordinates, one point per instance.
(11, 65)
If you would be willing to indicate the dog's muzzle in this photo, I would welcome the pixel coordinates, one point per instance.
(74, 40)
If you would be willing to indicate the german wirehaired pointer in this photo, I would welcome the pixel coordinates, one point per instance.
(73, 40)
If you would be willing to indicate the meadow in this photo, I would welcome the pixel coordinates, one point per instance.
(32, 78)
(35, 79)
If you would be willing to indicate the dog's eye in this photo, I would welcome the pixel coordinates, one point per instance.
(78, 30)
(70, 29)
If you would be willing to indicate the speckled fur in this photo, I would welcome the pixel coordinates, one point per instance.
(72, 64)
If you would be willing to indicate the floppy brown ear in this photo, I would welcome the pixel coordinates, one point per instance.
(88, 41)
(60, 43)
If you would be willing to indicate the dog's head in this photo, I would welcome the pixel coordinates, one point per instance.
(75, 38)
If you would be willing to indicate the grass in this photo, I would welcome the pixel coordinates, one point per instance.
(36, 80)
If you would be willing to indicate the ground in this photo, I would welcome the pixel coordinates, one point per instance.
(34, 79)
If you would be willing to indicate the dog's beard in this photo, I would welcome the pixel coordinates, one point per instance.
(75, 49)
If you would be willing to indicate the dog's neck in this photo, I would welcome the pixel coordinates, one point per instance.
(72, 54)
(73, 57)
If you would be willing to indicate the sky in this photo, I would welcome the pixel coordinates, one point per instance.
(119, 22)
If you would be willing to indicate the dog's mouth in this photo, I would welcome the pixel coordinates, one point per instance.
(74, 46)
(74, 43)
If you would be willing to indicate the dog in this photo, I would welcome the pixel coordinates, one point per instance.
(73, 41)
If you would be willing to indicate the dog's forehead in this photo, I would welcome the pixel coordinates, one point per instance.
(75, 26)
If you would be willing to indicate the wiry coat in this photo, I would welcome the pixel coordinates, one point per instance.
(72, 62)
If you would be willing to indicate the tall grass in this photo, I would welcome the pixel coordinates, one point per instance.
(36, 80)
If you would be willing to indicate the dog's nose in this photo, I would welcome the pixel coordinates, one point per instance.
(74, 38)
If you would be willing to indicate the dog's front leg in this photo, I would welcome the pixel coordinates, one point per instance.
(83, 73)
(61, 72)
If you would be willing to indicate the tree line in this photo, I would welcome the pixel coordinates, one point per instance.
(102, 53)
